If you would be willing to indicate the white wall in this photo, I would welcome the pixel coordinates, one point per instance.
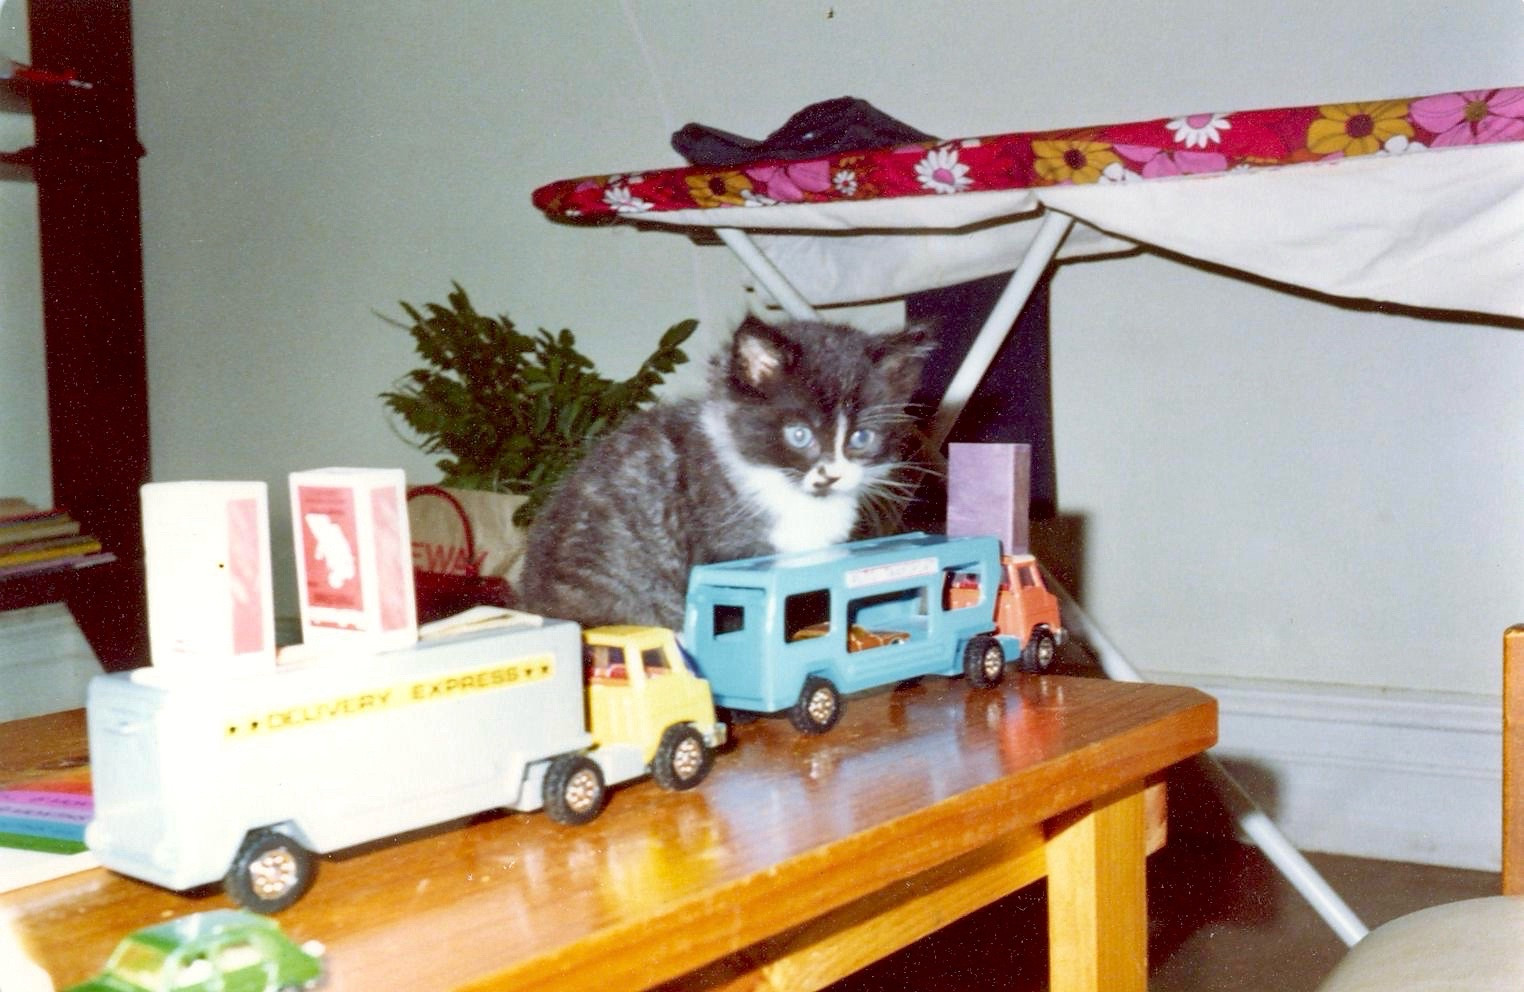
(24, 453)
(1268, 486)
(1316, 494)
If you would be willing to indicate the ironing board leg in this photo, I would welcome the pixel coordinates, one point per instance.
(1251, 819)
(766, 273)
(982, 352)
(1055, 226)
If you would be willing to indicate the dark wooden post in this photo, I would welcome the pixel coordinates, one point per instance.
(85, 163)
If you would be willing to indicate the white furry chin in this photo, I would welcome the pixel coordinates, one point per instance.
(800, 519)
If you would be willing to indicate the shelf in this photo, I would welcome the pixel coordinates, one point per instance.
(17, 166)
(107, 601)
(84, 164)
(36, 588)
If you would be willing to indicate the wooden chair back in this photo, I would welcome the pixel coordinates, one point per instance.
(1513, 761)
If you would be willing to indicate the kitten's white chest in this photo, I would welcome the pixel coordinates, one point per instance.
(803, 523)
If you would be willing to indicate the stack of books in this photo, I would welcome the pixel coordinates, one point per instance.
(46, 816)
(42, 831)
(34, 539)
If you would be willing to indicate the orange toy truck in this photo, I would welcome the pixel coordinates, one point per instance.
(987, 493)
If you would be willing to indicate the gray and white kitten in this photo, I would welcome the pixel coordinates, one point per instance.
(799, 443)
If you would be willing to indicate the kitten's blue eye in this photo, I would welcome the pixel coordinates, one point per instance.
(798, 436)
(862, 438)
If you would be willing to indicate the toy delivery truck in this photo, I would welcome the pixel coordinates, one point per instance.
(242, 778)
(794, 632)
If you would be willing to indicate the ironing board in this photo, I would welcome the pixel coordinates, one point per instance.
(1417, 202)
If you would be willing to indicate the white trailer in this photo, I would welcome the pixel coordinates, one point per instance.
(241, 778)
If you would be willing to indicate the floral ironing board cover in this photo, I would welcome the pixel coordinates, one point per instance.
(951, 188)
(1167, 146)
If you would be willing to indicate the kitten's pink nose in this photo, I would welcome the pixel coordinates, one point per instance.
(825, 480)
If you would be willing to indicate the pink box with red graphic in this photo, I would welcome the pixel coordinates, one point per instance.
(354, 566)
(206, 552)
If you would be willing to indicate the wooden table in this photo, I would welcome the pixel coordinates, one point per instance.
(798, 861)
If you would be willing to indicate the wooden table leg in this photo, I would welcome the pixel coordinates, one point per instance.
(1097, 906)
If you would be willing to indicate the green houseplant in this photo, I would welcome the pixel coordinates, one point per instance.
(511, 411)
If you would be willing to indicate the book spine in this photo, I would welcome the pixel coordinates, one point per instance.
(43, 550)
(37, 530)
(21, 514)
(50, 829)
(48, 845)
(56, 564)
(73, 808)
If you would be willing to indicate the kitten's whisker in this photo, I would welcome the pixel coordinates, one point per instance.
(892, 481)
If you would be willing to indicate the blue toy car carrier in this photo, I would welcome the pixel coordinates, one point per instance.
(796, 631)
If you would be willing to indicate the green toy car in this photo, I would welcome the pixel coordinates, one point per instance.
(222, 950)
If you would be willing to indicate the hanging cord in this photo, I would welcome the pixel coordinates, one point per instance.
(669, 123)
(668, 120)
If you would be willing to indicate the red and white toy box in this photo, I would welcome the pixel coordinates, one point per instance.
(206, 549)
(354, 565)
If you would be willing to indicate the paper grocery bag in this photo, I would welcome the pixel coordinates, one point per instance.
(466, 549)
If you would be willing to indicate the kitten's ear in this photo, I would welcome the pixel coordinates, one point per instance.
(759, 356)
(901, 355)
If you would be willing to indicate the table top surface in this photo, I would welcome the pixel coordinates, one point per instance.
(787, 826)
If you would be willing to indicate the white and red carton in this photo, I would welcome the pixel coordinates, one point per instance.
(206, 550)
(354, 566)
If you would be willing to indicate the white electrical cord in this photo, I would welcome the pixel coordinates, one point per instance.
(669, 123)
(1251, 819)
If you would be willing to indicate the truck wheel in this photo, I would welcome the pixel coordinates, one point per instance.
(1038, 653)
(682, 759)
(818, 708)
(270, 872)
(573, 791)
(984, 661)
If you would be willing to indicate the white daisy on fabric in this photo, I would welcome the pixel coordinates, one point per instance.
(845, 182)
(621, 200)
(1199, 130)
(1116, 172)
(1401, 144)
(941, 172)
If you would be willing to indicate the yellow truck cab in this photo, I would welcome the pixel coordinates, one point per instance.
(642, 696)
